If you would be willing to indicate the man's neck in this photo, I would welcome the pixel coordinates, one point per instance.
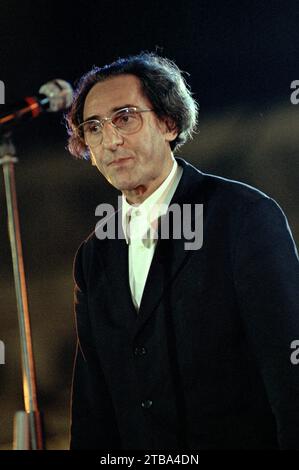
(139, 194)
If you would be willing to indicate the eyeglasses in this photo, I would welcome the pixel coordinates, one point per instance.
(125, 121)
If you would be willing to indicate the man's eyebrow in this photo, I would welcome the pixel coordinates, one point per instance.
(113, 110)
(117, 108)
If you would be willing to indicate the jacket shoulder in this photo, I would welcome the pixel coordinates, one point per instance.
(208, 186)
(232, 189)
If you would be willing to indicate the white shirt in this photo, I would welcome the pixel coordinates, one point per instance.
(139, 224)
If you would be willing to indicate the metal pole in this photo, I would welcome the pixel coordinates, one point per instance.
(21, 438)
(28, 367)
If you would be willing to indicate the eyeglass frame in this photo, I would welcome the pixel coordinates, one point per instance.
(102, 121)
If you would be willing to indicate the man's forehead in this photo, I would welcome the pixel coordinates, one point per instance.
(113, 93)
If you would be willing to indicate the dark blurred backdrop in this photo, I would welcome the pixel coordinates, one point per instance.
(241, 57)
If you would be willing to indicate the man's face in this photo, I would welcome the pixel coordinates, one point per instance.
(138, 163)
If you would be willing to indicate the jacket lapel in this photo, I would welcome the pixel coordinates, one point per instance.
(170, 254)
(114, 254)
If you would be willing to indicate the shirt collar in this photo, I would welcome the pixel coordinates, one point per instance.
(155, 205)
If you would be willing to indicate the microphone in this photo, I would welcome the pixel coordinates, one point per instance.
(53, 96)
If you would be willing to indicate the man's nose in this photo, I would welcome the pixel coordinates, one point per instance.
(111, 136)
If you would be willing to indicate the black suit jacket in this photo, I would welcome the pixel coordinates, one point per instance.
(205, 364)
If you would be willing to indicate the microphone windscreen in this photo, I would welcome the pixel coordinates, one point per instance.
(59, 92)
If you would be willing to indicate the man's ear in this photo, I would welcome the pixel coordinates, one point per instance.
(170, 129)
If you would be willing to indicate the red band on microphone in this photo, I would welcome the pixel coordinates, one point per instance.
(34, 106)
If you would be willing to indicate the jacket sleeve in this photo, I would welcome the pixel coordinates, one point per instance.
(93, 422)
(266, 272)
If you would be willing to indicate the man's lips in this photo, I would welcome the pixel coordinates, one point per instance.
(119, 161)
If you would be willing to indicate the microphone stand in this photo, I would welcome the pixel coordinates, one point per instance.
(27, 425)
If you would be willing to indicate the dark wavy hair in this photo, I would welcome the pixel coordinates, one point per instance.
(162, 83)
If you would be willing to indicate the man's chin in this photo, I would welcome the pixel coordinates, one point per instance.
(123, 186)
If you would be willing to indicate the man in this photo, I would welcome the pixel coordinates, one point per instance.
(177, 348)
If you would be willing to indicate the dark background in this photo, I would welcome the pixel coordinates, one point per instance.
(241, 57)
